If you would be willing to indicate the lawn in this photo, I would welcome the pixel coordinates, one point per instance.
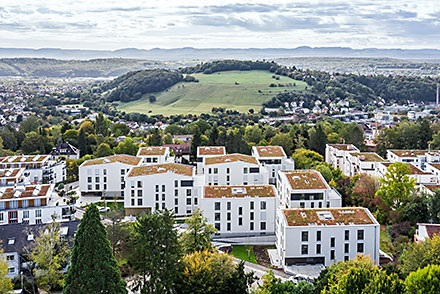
(237, 90)
(240, 252)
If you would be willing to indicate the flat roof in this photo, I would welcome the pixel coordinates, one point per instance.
(230, 158)
(345, 147)
(9, 173)
(211, 150)
(25, 158)
(368, 156)
(176, 168)
(413, 153)
(327, 216)
(414, 169)
(152, 150)
(270, 151)
(122, 158)
(27, 192)
(239, 191)
(305, 180)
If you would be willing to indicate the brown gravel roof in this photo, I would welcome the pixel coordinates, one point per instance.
(305, 180)
(270, 151)
(181, 169)
(211, 150)
(122, 158)
(230, 158)
(152, 150)
(346, 216)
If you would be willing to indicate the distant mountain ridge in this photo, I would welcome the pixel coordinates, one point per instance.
(189, 53)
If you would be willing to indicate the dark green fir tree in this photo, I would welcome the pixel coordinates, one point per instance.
(93, 267)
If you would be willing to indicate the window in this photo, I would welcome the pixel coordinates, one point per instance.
(139, 184)
(157, 197)
(104, 172)
(240, 211)
(215, 170)
(228, 216)
(163, 197)
(89, 172)
(360, 247)
(10, 257)
(139, 201)
(263, 226)
(240, 221)
(157, 188)
(122, 172)
(97, 179)
(25, 214)
(176, 201)
(228, 226)
(302, 205)
(97, 187)
(228, 170)
(217, 216)
(2, 205)
(251, 226)
(163, 205)
(360, 234)
(195, 201)
(217, 206)
(89, 179)
(11, 270)
(38, 213)
(254, 170)
(13, 204)
(188, 192)
(89, 187)
(176, 210)
(176, 183)
(188, 201)
(1, 218)
(304, 249)
(38, 221)
(139, 193)
(105, 179)
(346, 258)
(252, 205)
(37, 202)
(187, 183)
(228, 206)
(305, 236)
(332, 242)
(332, 254)
(163, 188)
(157, 206)
(217, 226)
(318, 248)
(132, 193)
(347, 235)
(263, 205)
(346, 248)
(318, 236)
(25, 203)
(251, 215)
(245, 170)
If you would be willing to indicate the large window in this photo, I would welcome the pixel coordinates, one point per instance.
(305, 236)
(217, 206)
(304, 249)
(360, 234)
(186, 183)
(318, 236)
(347, 235)
(360, 247)
(306, 196)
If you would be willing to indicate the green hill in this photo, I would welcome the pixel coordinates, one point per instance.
(237, 90)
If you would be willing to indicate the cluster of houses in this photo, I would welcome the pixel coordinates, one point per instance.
(29, 200)
(253, 196)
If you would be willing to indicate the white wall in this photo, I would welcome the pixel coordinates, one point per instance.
(232, 173)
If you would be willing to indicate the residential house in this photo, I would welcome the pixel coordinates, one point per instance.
(65, 149)
(420, 176)
(363, 163)
(273, 158)
(206, 152)
(105, 176)
(12, 177)
(338, 156)
(326, 236)
(240, 210)
(306, 189)
(154, 155)
(417, 158)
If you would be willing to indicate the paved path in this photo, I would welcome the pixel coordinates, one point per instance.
(260, 270)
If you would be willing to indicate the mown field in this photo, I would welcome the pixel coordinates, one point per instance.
(237, 90)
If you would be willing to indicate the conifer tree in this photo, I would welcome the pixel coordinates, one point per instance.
(93, 267)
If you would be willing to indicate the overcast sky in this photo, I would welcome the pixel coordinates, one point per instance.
(114, 24)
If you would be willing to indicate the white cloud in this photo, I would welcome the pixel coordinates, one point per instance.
(104, 24)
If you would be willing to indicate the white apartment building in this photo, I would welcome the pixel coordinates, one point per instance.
(417, 158)
(420, 176)
(363, 163)
(154, 155)
(32, 205)
(337, 155)
(326, 236)
(306, 189)
(240, 210)
(273, 158)
(11, 177)
(234, 169)
(426, 231)
(170, 186)
(433, 168)
(39, 168)
(206, 152)
(106, 176)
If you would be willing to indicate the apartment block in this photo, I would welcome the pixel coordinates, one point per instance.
(420, 176)
(206, 152)
(234, 169)
(106, 176)
(326, 236)
(32, 205)
(417, 158)
(306, 189)
(337, 155)
(240, 210)
(170, 186)
(154, 155)
(11, 177)
(274, 159)
(363, 163)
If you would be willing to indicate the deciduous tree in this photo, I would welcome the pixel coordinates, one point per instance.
(197, 237)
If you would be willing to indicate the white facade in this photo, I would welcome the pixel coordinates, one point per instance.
(13, 261)
(274, 159)
(426, 231)
(337, 155)
(321, 236)
(154, 155)
(240, 210)
(234, 169)
(11, 177)
(363, 163)
(306, 189)
(206, 152)
(163, 186)
(417, 158)
(417, 174)
(106, 176)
